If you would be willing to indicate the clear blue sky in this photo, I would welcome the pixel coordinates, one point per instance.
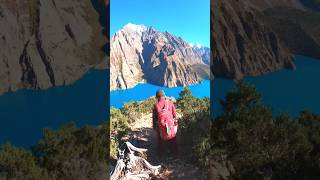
(189, 19)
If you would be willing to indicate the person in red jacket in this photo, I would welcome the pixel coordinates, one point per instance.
(161, 102)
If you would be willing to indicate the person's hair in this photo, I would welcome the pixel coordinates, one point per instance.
(159, 94)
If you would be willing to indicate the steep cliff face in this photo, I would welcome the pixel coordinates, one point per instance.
(299, 30)
(241, 44)
(48, 43)
(254, 37)
(267, 4)
(143, 54)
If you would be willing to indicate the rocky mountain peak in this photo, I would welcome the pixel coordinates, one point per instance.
(144, 54)
(203, 51)
(134, 28)
(197, 45)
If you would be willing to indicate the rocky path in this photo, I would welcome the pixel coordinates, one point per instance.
(175, 168)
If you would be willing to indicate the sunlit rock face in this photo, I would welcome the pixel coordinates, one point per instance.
(144, 54)
(48, 43)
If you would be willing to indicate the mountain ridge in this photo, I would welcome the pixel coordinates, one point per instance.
(49, 43)
(143, 54)
(242, 45)
(251, 38)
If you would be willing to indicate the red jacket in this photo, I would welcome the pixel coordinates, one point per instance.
(161, 102)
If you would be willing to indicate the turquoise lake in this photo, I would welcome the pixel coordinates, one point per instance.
(23, 114)
(144, 91)
(285, 91)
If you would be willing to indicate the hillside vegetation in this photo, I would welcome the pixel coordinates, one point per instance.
(246, 142)
(194, 121)
(65, 154)
(251, 143)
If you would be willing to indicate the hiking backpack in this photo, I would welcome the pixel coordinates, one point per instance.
(167, 125)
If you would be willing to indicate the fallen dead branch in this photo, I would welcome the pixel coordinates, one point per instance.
(131, 166)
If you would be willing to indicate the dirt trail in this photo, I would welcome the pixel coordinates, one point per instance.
(175, 168)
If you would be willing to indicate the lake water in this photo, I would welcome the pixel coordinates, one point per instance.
(285, 90)
(23, 114)
(144, 91)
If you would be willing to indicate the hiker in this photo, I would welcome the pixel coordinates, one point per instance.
(165, 123)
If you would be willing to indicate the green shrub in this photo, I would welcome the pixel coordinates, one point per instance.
(189, 105)
(135, 110)
(67, 153)
(119, 126)
(195, 111)
(75, 153)
(16, 163)
(193, 125)
(118, 122)
(260, 145)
